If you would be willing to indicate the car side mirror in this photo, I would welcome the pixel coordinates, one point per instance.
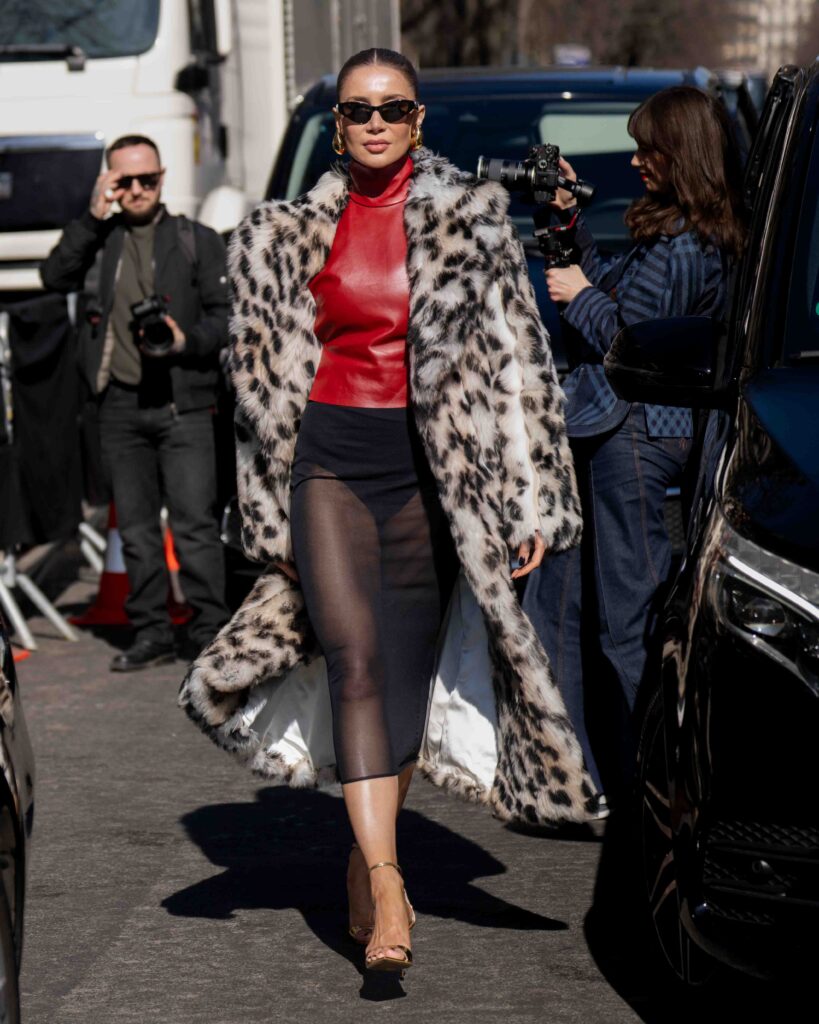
(677, 361)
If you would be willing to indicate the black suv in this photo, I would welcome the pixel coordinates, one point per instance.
(472, 112)
(729, 788)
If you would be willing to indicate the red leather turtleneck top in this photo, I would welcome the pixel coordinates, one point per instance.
(362, 296)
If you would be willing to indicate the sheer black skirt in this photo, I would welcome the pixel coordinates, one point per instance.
(376, 565)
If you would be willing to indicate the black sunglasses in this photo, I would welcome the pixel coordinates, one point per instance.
(147, 181)
(392, 111)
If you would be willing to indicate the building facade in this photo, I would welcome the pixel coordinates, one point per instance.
(768, 33)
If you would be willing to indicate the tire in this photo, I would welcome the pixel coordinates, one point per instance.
(690, 965)
(9, 989)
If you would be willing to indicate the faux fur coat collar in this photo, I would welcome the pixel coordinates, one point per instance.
(490, 413)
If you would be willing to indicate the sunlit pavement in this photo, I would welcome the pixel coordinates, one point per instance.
(168, 885)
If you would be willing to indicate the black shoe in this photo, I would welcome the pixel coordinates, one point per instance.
(143, 654)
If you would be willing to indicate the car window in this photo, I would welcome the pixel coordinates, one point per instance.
(761, 171)
(587, 130)
(116, 28)
(313, 155)
(768, 141)
(592, 135)
(802, 319)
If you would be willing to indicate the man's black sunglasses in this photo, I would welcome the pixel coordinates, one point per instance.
(147, 181)
(392, 111)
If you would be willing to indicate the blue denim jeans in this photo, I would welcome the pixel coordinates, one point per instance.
(602, 598)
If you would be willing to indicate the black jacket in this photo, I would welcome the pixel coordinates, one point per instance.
(195, 284)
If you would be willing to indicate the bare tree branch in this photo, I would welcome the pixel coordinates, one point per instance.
(643, 33)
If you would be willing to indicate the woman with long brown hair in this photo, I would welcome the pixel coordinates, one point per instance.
(686, 228)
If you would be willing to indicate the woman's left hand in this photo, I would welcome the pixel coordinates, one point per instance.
(565, 283)
(530, 555)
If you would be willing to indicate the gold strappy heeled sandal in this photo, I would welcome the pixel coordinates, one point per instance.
(390, 963)
(360, 933)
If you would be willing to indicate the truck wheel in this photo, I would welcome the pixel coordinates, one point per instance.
(9, 992)
(690, 964)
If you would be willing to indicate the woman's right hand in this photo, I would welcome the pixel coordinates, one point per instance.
(288, 569)
(564, 200)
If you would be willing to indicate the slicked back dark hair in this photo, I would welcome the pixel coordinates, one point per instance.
(386, 58)
(126, 141)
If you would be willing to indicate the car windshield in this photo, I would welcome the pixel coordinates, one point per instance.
(592, 135)
(802, 320)
(101, 28)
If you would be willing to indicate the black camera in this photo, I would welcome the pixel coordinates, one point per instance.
(538, 176)
(148, 314)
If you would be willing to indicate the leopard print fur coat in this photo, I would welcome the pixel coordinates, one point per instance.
(490, 413)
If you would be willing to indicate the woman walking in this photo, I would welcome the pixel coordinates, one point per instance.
(396, 406)
(686, 228)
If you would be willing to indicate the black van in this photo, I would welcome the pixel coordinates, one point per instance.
(729, 746)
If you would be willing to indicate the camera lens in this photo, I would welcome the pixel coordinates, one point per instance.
(158, 337)
(511, 173)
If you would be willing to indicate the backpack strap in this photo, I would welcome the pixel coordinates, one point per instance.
(187, 240)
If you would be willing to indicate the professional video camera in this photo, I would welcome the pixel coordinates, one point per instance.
(538, 177)
(148, 314)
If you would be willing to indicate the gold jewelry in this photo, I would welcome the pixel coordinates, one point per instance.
(338, 144)
(417, 138)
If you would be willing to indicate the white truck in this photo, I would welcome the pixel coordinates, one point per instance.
(211, 81)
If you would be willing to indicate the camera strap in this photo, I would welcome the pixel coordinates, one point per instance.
(92, 302)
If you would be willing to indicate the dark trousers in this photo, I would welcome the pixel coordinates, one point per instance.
(603, 597)
(155, 456)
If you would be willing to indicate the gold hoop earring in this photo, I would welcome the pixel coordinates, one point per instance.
(417, 138)
(338, 144)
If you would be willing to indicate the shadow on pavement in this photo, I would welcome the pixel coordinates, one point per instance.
(118, 638)
(289, 849)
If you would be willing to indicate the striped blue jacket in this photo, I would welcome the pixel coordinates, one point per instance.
(672, 276)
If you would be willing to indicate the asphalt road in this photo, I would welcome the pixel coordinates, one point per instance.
(167, 885)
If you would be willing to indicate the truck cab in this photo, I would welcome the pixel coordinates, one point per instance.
(74, 77)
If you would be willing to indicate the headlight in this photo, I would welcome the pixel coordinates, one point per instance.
(769, 602)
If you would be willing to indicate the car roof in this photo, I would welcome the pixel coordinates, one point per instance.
(610, 82)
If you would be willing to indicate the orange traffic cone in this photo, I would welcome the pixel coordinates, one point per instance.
(20, 655)
(178, 608)
(109, 607)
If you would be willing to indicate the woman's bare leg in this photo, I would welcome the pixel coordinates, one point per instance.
(372, 806)
(359, 893)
